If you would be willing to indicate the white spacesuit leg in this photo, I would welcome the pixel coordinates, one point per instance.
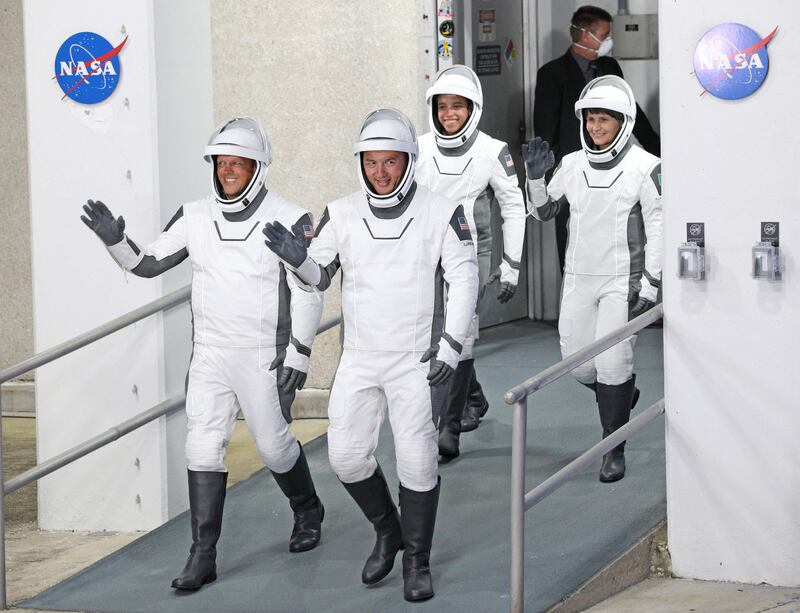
(411, 415)
(211, 409)
(355, 413)
(615, 365)
(577, 321)
(257, 391)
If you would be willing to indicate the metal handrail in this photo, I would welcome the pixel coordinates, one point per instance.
(591, 455)
(40, 359)
(518, 396)
(559, 369)
(166, 407)
(170, 405)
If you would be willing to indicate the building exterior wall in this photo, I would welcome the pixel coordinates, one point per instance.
(134, 151)
(730, 342)
(16, 310)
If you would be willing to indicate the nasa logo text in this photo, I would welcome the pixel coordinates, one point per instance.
(731, 61)
(87, 67)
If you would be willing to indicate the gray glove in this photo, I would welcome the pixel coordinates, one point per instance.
(290, 379)
(506, 291)
(440, 371)
(289, 247)
(538, 157)
(642, 305)
(102, 222)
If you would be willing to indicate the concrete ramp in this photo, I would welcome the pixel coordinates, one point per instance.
(570, 536)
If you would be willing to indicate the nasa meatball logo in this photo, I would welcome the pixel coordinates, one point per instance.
(87, 67)
(731, 61)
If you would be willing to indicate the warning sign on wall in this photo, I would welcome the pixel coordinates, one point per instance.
(487, 60)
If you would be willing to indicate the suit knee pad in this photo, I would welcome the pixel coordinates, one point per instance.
(279, 458)
(205, 451)
(585, 373)
(417, 466)
(351, 466)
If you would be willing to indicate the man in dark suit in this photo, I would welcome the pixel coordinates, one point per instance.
(558, 86)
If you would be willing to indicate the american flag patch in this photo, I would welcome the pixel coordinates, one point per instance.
(462, 223)
(509, 160)
(308, 231)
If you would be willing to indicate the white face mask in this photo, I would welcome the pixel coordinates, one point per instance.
(603, 49)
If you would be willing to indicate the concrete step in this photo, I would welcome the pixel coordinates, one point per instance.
(311, 403)
(649, 557)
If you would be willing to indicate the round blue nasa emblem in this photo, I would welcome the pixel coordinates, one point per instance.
(87, 67)
(731, 61)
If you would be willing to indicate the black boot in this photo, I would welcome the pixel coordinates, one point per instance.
(206, 500)
(418, 518)
(308, 510)
(450, 419)
(615, 403)
(373, 498)
(477, 405)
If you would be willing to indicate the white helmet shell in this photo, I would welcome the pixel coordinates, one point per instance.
(608, 92)
(243, 137)
(387, 129)
(461, 81)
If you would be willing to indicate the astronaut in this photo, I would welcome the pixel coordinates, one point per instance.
(395, 241)
(613, 260)
(464, 164)
(253, 327)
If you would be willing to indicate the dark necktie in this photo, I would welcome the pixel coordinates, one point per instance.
(592, 72)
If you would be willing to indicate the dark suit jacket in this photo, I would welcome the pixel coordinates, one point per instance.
(558, 86)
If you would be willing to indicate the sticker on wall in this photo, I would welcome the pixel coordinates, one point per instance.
(446, 8)
(731, 61)
(447, 29)
(487, 32)
(510, 53)
(87, 67)
(445, 48)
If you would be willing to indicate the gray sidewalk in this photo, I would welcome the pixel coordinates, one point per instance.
(682, 595)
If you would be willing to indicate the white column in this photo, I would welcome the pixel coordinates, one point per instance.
(730, 342)
(140, 152)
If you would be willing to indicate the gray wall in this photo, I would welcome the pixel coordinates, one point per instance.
(310, 79)
(16, 311)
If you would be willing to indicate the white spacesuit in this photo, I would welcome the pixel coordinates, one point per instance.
(393, 248)
(471, 168)
(253, 327)
(614, 251)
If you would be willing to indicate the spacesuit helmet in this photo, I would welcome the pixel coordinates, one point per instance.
(608, 93)
(387, 129)
(462, 81)
(243, 137)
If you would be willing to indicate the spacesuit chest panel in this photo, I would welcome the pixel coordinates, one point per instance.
(234, 283)
(389, 267)
(600, 204)
(463, 179)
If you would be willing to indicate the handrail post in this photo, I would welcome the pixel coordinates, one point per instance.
(2, 518)
(518, 455)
